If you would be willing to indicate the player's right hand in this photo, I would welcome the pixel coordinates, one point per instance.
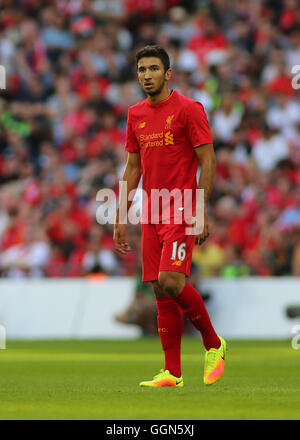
(119, 239)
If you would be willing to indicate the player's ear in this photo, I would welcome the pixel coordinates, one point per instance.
(168, 74)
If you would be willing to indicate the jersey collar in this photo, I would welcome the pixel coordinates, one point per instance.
(163, 102)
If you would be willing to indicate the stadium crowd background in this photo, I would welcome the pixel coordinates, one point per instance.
(71, 77)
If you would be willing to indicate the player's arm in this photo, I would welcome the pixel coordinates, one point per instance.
(131, 177)
(207, 159)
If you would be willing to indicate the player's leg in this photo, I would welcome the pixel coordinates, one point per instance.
(188, 298)
(169, 318)
(192, 304)
(174, 267)
(170, 329)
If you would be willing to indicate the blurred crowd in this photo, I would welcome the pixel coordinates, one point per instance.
(70, 78)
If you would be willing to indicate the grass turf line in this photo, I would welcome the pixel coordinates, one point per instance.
(99, 380)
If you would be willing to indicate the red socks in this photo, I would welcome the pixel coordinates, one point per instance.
(170, 329)
(194, 309)
(170, 325)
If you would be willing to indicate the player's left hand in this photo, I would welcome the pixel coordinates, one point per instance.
(200, 238)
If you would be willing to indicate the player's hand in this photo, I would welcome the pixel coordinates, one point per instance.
(120, 240)
(200, 238)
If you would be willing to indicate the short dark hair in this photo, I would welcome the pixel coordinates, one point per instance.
(154, 51)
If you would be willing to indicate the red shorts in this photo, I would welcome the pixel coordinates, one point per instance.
(166, 247)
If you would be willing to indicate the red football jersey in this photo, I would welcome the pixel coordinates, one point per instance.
(165, 134)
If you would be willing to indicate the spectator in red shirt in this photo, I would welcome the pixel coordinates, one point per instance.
(209, 39)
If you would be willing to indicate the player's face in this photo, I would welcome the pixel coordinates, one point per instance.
(152, 75)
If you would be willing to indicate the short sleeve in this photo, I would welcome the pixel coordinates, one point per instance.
(196, 125)
(131, 144)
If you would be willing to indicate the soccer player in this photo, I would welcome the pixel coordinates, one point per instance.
(167, 136)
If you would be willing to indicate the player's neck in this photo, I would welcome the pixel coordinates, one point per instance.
(164, 94)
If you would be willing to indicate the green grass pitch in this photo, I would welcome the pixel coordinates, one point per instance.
(99, 380)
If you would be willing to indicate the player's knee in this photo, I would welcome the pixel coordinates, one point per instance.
(171, 283)
(158, 290)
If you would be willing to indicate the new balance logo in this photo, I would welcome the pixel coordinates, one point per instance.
(142, 125)
(177, 263)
